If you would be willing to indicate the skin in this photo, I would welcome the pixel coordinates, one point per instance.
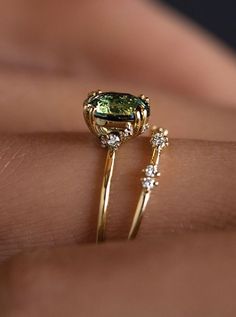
(183, 260)
(53, 177)
(54, 208)
(174, 275)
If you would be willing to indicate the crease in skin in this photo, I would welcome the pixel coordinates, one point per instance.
(173, 275)
(11, 160)
(10, 165)
(50, 103)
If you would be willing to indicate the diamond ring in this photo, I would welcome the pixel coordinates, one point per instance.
(159, 141)
(114, 118)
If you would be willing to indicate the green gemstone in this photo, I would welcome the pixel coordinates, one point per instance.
(115, 106)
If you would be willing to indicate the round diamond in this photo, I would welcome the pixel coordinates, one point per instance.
(159, 140)
(148, 183)
(151, 170)
(113, 140)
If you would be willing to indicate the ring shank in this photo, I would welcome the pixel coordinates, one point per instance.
(141, 206)
(143, 199)
(105, 192)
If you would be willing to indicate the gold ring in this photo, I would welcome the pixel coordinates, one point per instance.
(159, 141)
(114, 118)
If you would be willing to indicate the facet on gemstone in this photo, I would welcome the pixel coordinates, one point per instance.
(113, 106)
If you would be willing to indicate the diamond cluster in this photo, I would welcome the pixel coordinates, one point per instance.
(159, 140)
(149, 181)
(114, 139)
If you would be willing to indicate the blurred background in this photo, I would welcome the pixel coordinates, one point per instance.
(180, 53)
(53, 52)
(219, 17)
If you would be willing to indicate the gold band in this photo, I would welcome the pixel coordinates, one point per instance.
(159, 141)
(114, 118)
(105, 192)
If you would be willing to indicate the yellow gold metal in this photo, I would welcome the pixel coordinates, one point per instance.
(111, 134)
(105, 192)
(143, 97)
(158, 144)
(141, 206)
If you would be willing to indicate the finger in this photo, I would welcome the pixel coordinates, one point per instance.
(151, 46)
(50, 189)
(49, 103)
(187, 275)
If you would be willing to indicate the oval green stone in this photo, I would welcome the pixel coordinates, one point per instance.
(114, 106)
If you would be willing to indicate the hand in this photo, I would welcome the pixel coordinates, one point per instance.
(53, 55)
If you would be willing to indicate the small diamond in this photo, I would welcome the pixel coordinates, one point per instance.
(111, 140)
(159, 140)
(151, 170)
(148, 183)
(128, 131)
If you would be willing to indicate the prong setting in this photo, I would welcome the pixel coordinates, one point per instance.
(94, 93)
(111, 141)
(148, 183)
(159, 138)
(151, 170)
(144, 98)
(108, 116)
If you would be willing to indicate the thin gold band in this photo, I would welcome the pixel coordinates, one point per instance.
(159, 141)
(105, 193)
(114, 118)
